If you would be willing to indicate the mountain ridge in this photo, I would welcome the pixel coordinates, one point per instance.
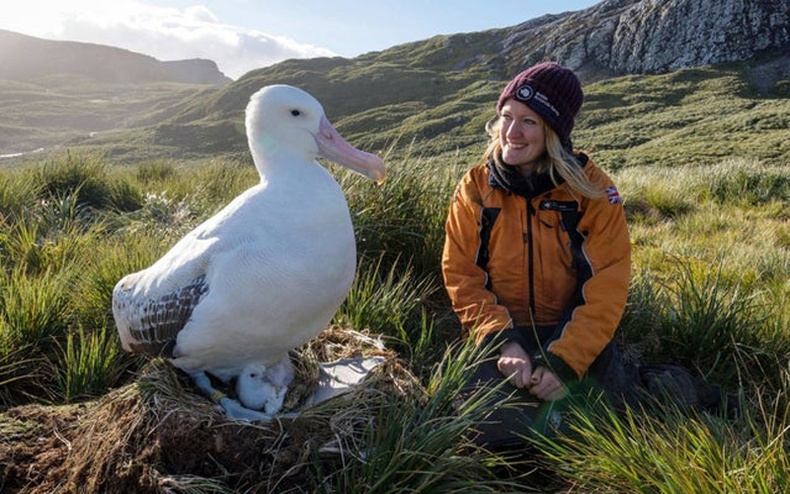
(26, 58)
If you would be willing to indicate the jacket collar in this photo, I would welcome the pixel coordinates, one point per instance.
(508, 178)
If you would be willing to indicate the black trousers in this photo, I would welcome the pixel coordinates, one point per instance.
(523, 414)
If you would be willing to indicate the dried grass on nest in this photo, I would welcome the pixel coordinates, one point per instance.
(159, 435)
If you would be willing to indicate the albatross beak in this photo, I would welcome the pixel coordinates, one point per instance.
(333, 147)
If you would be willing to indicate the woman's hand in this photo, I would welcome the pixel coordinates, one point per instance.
(514, 363)
(545, 385)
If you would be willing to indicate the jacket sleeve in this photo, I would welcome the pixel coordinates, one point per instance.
(592, 321)
(475, 305)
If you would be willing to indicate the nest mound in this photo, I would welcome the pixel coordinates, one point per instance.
(159, 435)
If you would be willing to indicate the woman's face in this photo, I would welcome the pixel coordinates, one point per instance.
(521, 134)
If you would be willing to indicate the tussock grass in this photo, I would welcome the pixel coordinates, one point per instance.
(423, 443)
(667, 452)
(709, 291)
(403, 219)
(34, 308)
(88, 364)
(17, 194)
(708, 318)
(86, 176)
(392, 303)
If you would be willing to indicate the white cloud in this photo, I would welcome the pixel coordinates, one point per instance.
(164, 33)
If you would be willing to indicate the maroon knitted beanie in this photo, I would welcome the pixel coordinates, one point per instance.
(551, 90)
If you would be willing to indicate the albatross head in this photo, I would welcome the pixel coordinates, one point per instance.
(283, 120)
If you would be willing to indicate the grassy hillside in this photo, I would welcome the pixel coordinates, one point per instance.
(693, 116)
(74, 111)
(711, 263)
(634, 120)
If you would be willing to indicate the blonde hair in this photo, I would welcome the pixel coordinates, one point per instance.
(558, 160)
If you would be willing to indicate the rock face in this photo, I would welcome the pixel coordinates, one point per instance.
(194, 71)
(618, 37)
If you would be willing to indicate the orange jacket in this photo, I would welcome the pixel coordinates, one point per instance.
(540, 256)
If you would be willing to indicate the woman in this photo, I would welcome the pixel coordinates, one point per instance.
(537, 252)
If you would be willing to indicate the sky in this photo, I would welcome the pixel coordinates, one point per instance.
(242, 35)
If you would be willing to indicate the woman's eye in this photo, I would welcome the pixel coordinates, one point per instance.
(295, 113)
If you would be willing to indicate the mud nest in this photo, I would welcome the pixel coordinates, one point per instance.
(159, 435)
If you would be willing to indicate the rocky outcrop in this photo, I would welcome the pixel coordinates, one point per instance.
(195, 71)
(618, 37)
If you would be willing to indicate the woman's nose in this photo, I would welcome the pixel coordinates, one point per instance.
(513, 129)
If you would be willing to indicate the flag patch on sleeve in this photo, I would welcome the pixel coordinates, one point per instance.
(613, 195)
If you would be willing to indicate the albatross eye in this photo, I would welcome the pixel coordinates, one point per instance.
(295, 113)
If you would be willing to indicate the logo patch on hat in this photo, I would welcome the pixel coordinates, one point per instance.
(525, 92)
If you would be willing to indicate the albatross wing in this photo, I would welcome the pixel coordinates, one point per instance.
(150, 325)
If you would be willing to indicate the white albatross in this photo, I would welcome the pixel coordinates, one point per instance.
(262, 276)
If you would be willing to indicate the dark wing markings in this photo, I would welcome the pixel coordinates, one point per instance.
(161, 319)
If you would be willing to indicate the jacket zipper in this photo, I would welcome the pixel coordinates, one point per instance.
(530, 257)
